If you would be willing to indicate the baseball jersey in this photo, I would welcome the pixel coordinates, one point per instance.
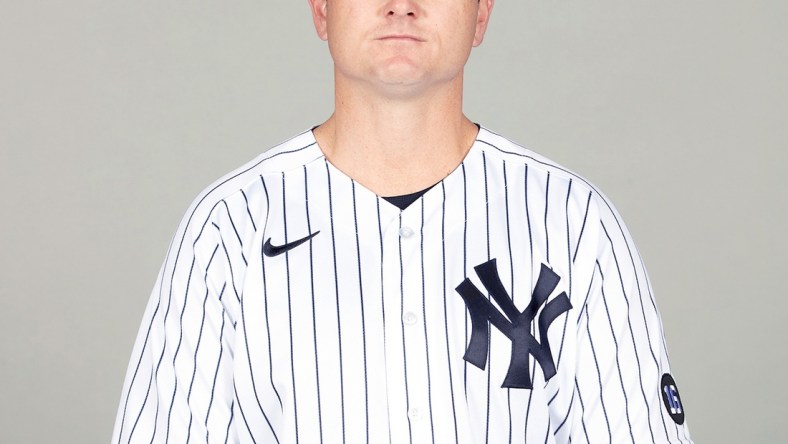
(508, 304)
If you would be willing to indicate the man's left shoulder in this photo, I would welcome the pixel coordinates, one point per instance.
(512, 153)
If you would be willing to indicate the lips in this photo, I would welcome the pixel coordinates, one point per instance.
(401, 37)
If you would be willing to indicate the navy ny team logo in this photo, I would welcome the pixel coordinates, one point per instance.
(515, 325)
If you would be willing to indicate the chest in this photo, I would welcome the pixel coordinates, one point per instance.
(354, 317)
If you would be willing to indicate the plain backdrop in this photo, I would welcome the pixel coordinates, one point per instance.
(114, 115)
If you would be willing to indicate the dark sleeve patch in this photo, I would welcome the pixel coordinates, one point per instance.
(672, 399)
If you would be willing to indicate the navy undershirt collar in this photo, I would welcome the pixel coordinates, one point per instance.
(405, 200)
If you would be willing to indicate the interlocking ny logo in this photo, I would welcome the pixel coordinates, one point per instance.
(518, 325)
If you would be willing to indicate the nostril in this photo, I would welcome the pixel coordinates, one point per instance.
(397, 11)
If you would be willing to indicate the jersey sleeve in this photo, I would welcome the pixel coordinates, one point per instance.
(179, 380)
(622, 357)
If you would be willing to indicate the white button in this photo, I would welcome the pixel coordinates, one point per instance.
(414, 414)
(405, 232)
(410, 318)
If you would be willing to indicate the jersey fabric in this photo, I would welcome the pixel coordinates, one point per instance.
(508, 304)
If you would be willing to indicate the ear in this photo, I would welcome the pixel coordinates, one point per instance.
(482, 19)
(318, 8)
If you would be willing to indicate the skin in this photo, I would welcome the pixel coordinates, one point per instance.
(398, 125)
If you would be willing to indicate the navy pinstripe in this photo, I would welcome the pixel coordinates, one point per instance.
(314, 314)
(546, 213)
(424, 316)
(465, 256)
(511, 275)
(445, 310)
(336, 295)
(178, 347)
(583, 408)
(289, 309)
(267, 322)
(568, 267)
(599, 378)
(618, 363)
(487, 235)
(530, 249)
(216, 372)
(361, 303)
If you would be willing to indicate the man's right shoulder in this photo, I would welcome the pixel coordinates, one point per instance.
(288, 155)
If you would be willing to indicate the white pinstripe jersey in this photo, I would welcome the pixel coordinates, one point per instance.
(359, 334)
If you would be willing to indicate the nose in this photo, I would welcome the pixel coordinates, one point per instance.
(401, 8)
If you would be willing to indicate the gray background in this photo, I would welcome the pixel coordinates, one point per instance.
(113, 115)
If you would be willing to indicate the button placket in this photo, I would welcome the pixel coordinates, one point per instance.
(412, 322)
(406, 369)
(409, 317)
(406, 233)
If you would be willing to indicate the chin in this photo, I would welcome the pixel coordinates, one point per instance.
(401, 72)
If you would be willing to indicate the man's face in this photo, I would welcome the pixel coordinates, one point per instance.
(400, 46)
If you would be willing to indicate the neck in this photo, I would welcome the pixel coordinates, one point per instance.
(396, 144)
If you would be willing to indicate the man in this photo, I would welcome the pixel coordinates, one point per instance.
(400, 274)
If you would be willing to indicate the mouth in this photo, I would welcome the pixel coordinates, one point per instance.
(400, 38)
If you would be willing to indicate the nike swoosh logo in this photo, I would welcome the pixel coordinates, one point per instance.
(275, 250)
